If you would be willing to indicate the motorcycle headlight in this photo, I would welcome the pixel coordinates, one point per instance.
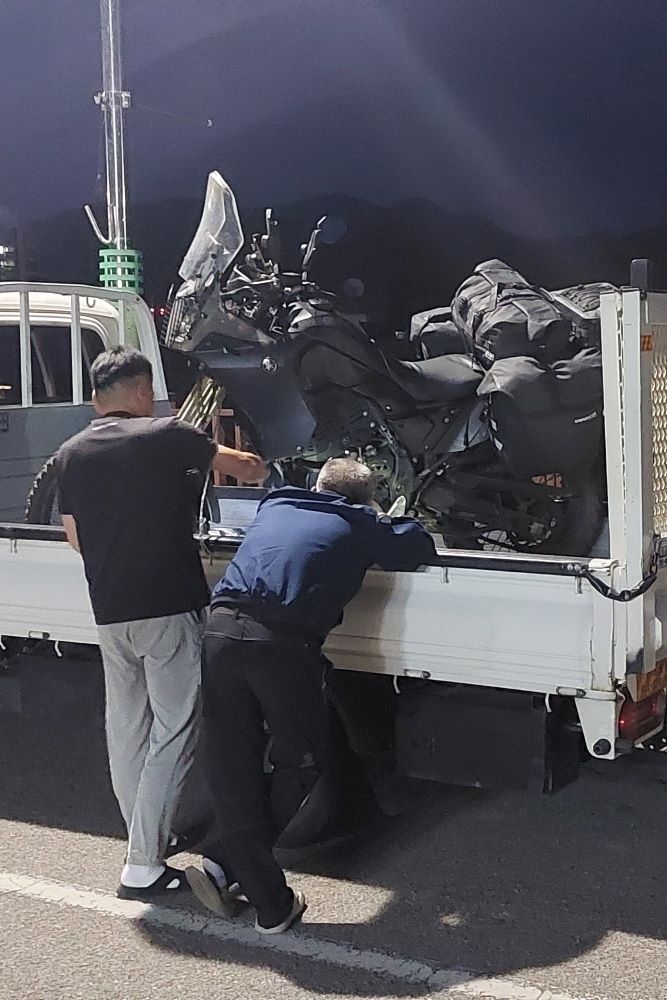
(178, 323)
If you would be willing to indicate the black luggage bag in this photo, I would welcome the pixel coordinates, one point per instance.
(505, 317)
(433, 334)
(546, 419)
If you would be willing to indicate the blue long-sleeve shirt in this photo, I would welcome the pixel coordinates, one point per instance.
(305, 556)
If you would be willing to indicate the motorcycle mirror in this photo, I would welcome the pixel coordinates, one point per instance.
(270, 242)
(311, 245)
(353, 288)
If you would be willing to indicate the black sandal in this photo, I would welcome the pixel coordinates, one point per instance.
(171, 881)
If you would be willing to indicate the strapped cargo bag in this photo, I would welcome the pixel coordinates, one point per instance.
(546, 419)
(506, 317)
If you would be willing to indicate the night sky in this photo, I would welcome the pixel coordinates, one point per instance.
(542, 116)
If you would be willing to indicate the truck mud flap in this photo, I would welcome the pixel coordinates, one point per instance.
(485, 738)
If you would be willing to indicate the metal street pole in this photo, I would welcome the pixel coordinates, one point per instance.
(114, 100)
(120, 266)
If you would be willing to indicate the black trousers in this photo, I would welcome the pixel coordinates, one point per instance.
(252, 676)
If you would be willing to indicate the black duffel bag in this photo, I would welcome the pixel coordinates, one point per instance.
(506, 317)
(546, 419)
(433, 334)
(586, 300)
(587, 297)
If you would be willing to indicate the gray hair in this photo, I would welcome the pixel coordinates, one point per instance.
(350, 478)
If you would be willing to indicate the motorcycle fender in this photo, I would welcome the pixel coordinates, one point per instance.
(264, 389)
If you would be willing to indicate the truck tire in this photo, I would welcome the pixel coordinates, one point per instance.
(42, 505)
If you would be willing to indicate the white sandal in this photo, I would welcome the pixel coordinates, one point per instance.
(299, 907)
(209, 893)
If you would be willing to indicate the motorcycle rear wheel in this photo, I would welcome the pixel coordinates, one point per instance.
(564, 527)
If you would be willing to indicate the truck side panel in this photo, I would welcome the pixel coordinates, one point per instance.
(523, 631)
(526, 633)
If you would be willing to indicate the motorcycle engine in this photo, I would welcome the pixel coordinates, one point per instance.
(393, 474)
(348, 424)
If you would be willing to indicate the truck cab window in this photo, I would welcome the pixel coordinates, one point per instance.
(51, 361)
(91, 346)
(10, 366)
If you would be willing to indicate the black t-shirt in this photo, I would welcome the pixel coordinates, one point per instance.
(128, 483)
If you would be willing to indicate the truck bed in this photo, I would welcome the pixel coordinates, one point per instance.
(509, 621)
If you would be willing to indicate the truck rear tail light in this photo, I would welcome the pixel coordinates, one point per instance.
(641, 718)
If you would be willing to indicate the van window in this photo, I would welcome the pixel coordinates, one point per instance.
(10, 366)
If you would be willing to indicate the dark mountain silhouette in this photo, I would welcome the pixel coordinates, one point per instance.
(303, 102)
(410, 256)
(380, 100)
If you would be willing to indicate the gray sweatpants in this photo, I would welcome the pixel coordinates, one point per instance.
(152, 671)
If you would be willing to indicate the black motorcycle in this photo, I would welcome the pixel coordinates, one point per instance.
(307, 383)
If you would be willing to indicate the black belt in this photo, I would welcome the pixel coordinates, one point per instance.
(280, 628)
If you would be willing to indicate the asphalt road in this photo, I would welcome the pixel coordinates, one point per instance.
(469, 893)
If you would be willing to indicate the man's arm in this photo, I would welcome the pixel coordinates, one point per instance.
(243, 465)
(403, 545)
(191, 448)
(69, 524)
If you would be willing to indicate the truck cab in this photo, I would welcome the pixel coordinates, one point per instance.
(49, 338)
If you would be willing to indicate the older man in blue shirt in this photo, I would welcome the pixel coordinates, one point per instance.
(303, 559)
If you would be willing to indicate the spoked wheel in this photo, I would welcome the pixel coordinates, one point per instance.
(566, 522)
(43, 502)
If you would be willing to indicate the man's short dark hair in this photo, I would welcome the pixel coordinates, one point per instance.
(118, 364)
(348, 477)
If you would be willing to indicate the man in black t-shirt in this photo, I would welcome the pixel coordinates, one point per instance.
(126, 498)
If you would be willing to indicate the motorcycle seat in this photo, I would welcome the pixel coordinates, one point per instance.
(438, 380)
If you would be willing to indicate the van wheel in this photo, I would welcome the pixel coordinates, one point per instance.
(43, 503)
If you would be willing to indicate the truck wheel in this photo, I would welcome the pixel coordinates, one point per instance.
(43, 504)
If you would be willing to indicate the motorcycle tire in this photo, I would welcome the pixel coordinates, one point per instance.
(577, 526)
(42, 504)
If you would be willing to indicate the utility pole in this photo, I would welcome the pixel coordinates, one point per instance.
(120, 265)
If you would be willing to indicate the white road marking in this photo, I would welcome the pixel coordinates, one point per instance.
(458, 982)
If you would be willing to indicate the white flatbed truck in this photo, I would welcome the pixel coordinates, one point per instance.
(488, 668)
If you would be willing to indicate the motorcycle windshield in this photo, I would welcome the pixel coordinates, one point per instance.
(219, 236)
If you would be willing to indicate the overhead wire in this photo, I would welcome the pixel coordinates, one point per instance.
(186, 119)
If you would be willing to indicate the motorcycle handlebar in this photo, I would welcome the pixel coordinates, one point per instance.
(251, 289)
(291, 293)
